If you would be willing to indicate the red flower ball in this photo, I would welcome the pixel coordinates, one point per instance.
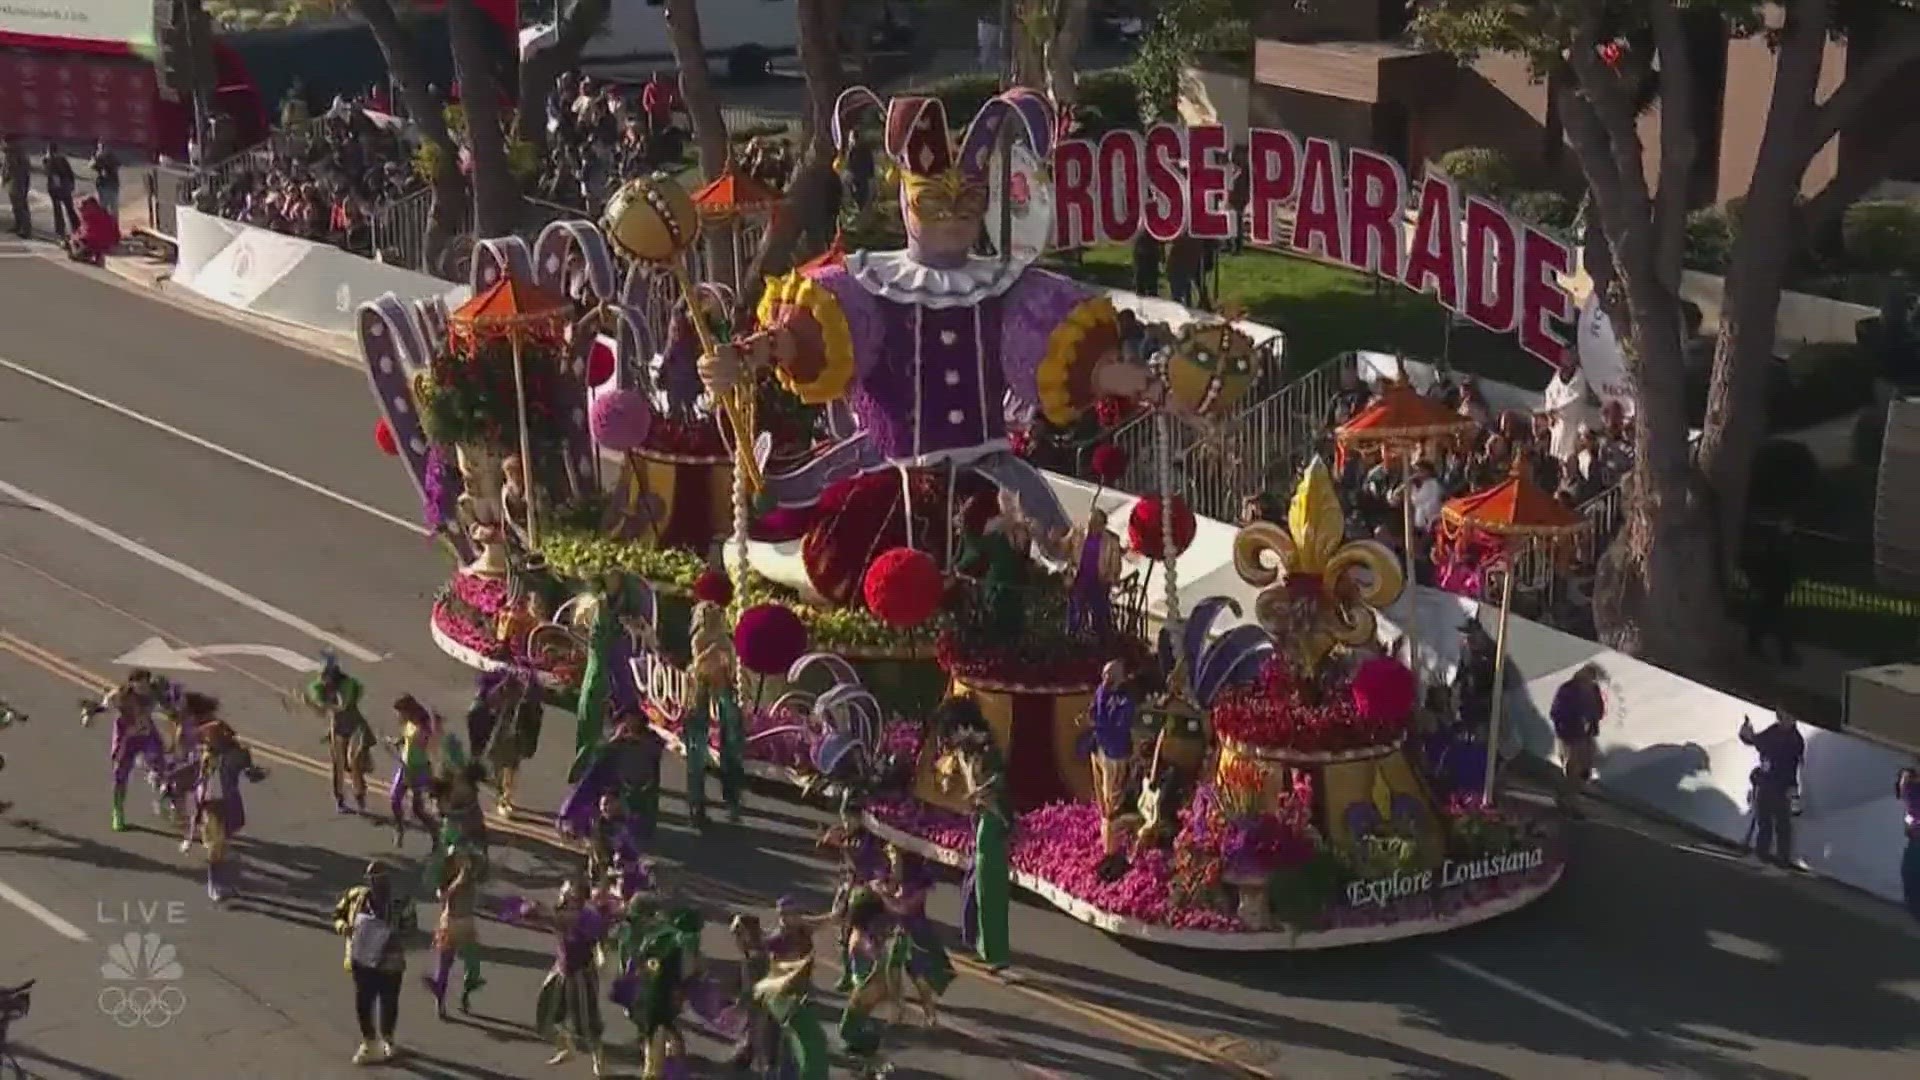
(1384, 690)
(713, 587)
(383, 437)
(620, 419)
(599, 364)
(1020, 441)
(903, 587)
(768, 638)
(1145, 533)
(1108, 463)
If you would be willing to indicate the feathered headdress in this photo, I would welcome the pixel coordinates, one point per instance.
(919, 140)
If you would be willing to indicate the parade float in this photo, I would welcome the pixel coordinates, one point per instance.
(803, 557)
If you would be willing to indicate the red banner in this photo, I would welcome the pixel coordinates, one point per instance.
(76, 98)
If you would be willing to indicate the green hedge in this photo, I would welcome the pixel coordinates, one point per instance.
(1108, 98)
(1710, 233)
(1477, 170)
(1820, 382)
(1882, 236)
(1547, 209)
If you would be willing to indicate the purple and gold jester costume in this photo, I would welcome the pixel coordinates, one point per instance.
(136, 738)
(926, 346)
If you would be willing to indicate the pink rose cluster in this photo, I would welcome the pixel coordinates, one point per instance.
(1060, 844)
(488, 596)
(470, 635)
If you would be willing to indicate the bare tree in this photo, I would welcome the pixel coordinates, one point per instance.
(446, 215)
(1046, 40)
(497, 200)
(703, 111)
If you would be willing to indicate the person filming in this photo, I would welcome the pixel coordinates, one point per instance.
(1775, 780)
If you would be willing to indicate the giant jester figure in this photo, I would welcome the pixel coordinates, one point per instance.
(925, 345)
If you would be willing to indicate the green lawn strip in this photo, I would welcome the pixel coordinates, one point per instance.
(1326, 310)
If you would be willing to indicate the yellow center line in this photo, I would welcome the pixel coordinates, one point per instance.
(1134, 1027)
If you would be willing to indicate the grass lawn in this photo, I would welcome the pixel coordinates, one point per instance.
(1325, 310)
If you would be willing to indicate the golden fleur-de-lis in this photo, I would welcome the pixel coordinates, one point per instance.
(1318, 589)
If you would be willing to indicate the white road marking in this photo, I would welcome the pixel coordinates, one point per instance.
(156, 653)
(1501, 982)
(204, 580)
(205, 444)
(32, 907)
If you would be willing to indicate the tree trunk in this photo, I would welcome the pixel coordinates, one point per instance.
(539, 71)
(703, 110)
(1737, 396)
(1033, 23)
(447, 215)
(810, 198)
(1070, 30)
(496, 190)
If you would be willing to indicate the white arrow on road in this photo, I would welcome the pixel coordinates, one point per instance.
(156, 653)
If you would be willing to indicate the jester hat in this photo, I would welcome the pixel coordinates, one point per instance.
(918, 138)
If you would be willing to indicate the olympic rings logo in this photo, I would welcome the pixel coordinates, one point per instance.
(143, 1006)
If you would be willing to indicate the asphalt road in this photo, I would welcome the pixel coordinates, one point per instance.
(235, 497)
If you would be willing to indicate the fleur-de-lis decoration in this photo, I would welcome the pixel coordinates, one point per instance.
(1318, 589)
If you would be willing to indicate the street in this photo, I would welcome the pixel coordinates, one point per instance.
(165, 475)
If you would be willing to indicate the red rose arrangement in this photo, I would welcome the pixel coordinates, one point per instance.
(1284, 711)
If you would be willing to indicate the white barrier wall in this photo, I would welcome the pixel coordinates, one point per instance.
(287, 278)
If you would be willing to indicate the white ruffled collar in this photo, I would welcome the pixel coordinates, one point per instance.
(896, 276)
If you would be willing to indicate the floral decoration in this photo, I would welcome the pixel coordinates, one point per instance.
(1286, 710)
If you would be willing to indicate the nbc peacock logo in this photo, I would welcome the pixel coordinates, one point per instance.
(142, 972)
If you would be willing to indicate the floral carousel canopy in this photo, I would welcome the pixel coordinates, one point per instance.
(1402, 415)
(507, 308)
(734, 194)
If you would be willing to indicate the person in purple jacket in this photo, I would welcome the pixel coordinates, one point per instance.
(1774, 780)
(1578, 707)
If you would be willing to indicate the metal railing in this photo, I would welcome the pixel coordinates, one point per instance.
(741, 122)
(168, 186)
(1264, 444)
(399, 230)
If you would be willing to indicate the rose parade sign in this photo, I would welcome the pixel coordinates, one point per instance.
(1477, 260)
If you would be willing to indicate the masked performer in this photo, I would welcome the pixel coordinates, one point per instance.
(628, 766)
(862, 859)
(714, 669)
(924, 344)
(1110, 722)
(1096, 569)
(610, 841)
(504, 726)
(904, 891)
(336, 695)
(414, 775)
(457, 934)
(972, 765)
(875, 983)
(621, 612)
(220, 811)
(568, 1012)
(135, 738)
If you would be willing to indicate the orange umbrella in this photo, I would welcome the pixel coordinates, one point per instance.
(1512, 512)
(1514, 507)
(733, 194)
(1402, 415)
(509, 306)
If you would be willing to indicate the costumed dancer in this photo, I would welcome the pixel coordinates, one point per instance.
(871, 955)
(1109, 719)
(414, 774)
(567, 1013)
(336, 695)
(135, 738)
(714, 670)
(610, 841)
(862, 859)
(463, 821)
(972, 764)
(621, 609)
(904, 891)
(1096, 570)
(1907, 787)
(457, 934)
(504, 727)
(999, 552)
(220, 812)
(628, 766)
(668, 966)
(756, 1048)
(795, 1047)
(924, 345)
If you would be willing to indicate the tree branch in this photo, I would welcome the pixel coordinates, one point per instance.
(1865, 166)
(1890, 56)
(1610, 98)
(1677, 148)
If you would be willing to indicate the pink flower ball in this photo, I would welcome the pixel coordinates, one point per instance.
(768, 638)
(620, 419)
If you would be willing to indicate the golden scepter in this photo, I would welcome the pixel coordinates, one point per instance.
(653, 219)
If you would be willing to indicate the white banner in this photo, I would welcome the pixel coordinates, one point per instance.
(1601, 360)
(290, 279)
(125, 21)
